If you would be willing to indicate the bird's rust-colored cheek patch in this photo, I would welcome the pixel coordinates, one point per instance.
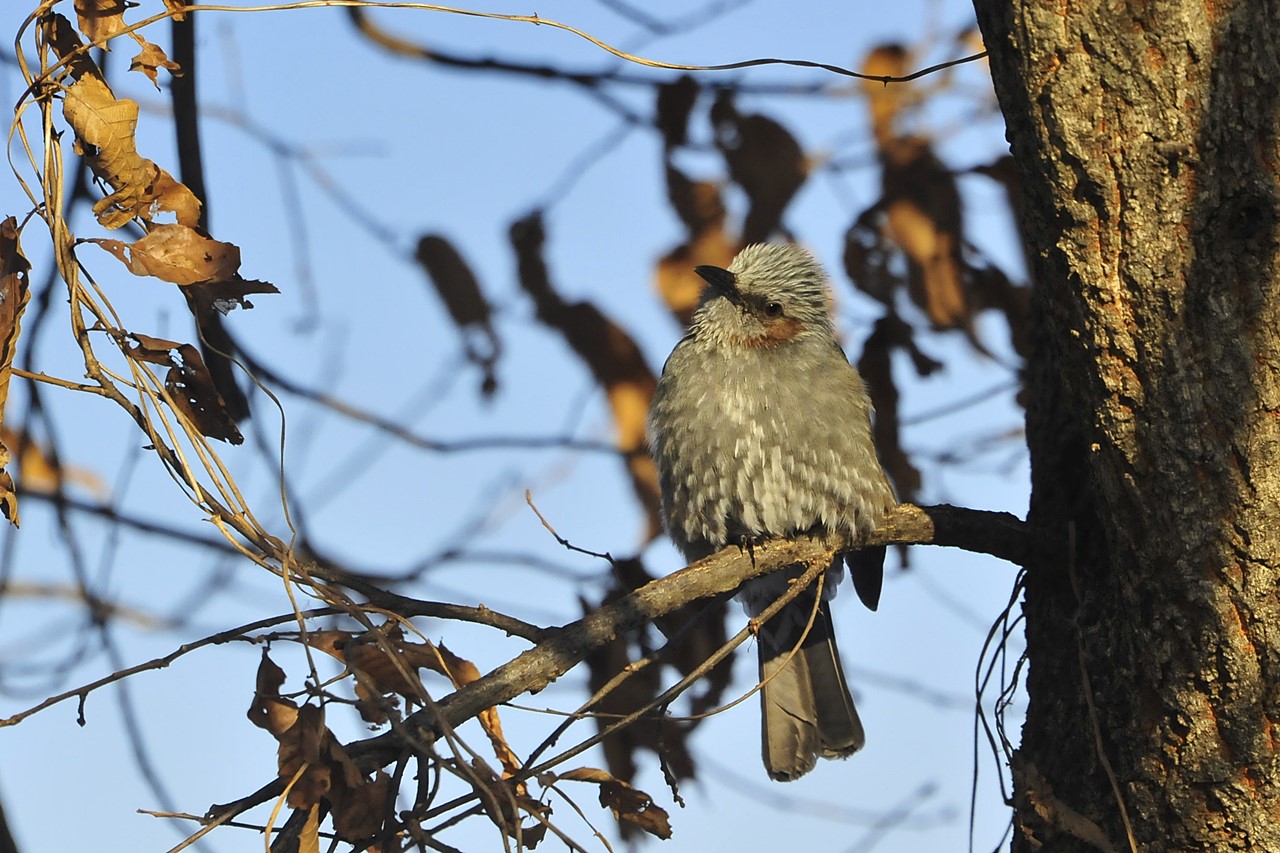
(779, 331)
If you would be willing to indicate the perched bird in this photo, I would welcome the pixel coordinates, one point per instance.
(762, 429)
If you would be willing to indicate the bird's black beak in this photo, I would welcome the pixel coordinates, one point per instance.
(720, 279)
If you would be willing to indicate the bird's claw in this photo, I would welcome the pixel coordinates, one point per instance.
(747, 542)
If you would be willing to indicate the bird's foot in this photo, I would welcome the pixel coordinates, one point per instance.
(747, 542)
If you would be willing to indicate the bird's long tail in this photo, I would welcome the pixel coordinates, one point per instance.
(805, 707)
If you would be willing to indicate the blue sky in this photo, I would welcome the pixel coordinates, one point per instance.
(410, 148)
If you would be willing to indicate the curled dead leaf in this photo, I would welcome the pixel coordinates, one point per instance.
(700, 629)
(891, 333)
(458, 288)
(698, 203)
(319, 767)
(675, 104)
(105, 128)
(178, 254)
(269, 710)
(764, 159)
(922, 215)
(14, 295)
(504, 802)
(868, 255)
(225, 296)
(628, 804)
(100, 19)
(150, 59)
(385, 664)
(300, 755)
(190, 386)
(43, 472)
(885, 100)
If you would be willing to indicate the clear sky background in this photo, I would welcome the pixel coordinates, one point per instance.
(326, 159)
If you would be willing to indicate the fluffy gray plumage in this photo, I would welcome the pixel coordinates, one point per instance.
(762, 429)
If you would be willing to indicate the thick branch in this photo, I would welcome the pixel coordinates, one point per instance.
(998, 534)
(561, 649)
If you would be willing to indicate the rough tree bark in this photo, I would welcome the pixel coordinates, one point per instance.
(1146, 137)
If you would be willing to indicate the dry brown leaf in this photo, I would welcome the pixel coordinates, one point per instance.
(387, 674)
(104, 127)
(701, 208)
(14, 294)
(324, 770)
(454, 280)
(462, 672)
(764, 159)
(935, 281)
(675, 104)
(922, 216)
(150, 59)
(970, 40)
(381, 674)
(698, 203)
(178, 254)
(309, 837)
(8, 493)
(885, 99)
(891, 333)
(223, 296)
(360, 805)
(703, 631)
(268, 710)
(503, 802)
(629, 805)
(609, 353)
(195, 395)
(152, 350)
(991, 288)
(698, 643)
(460, 291)
(45, 474)
(189, 385)
(674, 278)
(868, 255)
(300, 751)
(100, 19)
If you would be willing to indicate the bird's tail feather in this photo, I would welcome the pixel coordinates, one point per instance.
(806, 710)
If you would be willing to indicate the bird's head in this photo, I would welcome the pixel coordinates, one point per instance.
(772, 294)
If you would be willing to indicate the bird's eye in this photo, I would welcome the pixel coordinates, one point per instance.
(773, 309)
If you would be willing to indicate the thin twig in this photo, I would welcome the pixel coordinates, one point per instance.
(238, 633)
(103, 40)
(528, 498)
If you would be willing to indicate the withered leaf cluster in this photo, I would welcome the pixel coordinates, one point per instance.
(173, 247)
(323, 779)
(631, 807)
(699, 631)
(762, 158)
(917, 218)
(105, 128)
(318, 771)
(191, 389)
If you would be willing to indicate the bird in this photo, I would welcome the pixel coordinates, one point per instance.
(761, 429)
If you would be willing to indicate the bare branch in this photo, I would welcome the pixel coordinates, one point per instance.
(998, 534)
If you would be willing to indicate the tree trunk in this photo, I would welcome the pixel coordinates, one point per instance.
(1146, 136)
